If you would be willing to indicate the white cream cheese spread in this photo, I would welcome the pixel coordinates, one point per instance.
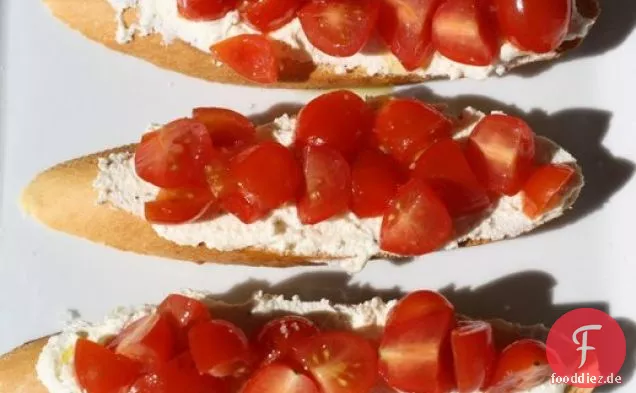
(55, 364)
(354, 241)
(162, 17)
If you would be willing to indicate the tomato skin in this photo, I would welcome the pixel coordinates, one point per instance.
(150, 340)
(534, 25)
(545, 187)
(278, 337)
(269, 15)
(464, 31)
(252, 56)
(218, 348)
(473, 354)
(415, 306)
(407, 127)
(178, 206)
(227, 128)
(205, 9)
(279, 378)
(339, 28)
(99, 370)
(375, 178)
(183, 313)
(521, 365)
(416, 221)
(445, 168)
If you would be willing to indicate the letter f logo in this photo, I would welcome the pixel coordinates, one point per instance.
(584, 348)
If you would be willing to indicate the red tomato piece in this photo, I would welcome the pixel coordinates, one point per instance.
(219, 348)
(205, 9)
(500, 152)
(264, 176)
(405, 26)
(545, 188)
(416, 357)
(416, 221)
(445, 168)
(464, 31)
(100, 370)
(473, 355)
(175, 156)
(522, 365)
(338, 119)
(534, 25)
(279, 378)
(415, 306)
(327, 185)
(276, 338)
(340, 362)
(150, 340)
(375, 178)
(184, 311)
(227, 128)
(269, 15)
(339, 27)
(178, 206)
(250, 55)
(407, 127)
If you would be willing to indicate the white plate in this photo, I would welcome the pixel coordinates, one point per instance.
(64, 96)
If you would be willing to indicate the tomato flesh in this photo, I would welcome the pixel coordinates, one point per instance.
(327, 185)
(375, 178)
(279, 378)
(99, 370)
(473, 355)
(150, 340)
(205, 9)
(269, 15)
(522, 365)
(252, 56)
(534, 25)
(416, 221)
(339, 27)
(276, 338)
(226, 127)
(415, 306)
(219, 348)
(445, 168)
(501, 151)
(464, 31)
(178, 206)
(545, 188)
(183, 313)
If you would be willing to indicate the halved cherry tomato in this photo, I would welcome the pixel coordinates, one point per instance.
(264, 177)
(205, 9)
(99, 370)
(338, 119)
(269, 15)
(150, 340)
(473, 355)
(339, 27)
(184, 311)
(405, 26)
(500, 152)
(250, 55)
(178, 206)
(375, 178)
(464, 31)
(175, 155)
(446, 170)
(416, 357)
(407, 127)
(227, 128)
(545, 187)
(340, 362)
(327, 185)
(279, 378)
(276, 338)
(522, 365)
(534, 25)
(219, 348)
(415, 306)
(416, 221)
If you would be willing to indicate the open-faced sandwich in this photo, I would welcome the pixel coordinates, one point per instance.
(327, 43)
(192, 343)
(340, 183)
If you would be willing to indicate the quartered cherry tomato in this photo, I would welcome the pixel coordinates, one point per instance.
(464, 31)
(339, 362)
(405, 26)
(250, 55)
(416, 221)
(227, 128)
(175, 155)
(521, 366)
(178, 206)
(327, 185)
(339, 27)
(276, 338)
(183, 313)
(406, 127)
(415, 306)
(446, 170)
(338, 120)
(219, 348)
(375, 178)
(269, 15)
(150, 340)
(545, 188)
(500, 151)
(205, 9)
(99, 370)
(534, 25)
(279, 378)
(473, 355)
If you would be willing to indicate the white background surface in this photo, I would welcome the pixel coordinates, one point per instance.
(64, 96)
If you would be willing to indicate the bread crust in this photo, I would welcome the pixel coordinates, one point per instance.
(95, 19)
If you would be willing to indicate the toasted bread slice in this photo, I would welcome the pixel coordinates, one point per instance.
(96, 20)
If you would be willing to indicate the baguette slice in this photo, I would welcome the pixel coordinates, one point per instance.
(96, 20)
